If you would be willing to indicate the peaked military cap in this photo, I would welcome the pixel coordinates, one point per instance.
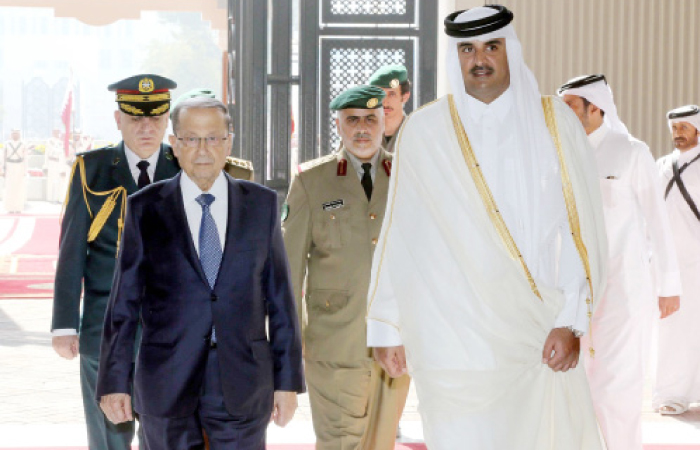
(581, 81)
(198, 92)
(683, 111)
(360, 97)
(143, 95)
(390, 76)
(478, 27)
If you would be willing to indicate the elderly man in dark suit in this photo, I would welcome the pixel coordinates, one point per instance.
(203, 267)
(91, 231)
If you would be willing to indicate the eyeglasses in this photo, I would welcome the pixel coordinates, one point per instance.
(209, 141)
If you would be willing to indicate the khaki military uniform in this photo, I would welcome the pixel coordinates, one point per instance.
(390, 141)
(239, 168)
(330, 232)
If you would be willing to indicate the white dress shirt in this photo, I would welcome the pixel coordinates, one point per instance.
(133, 159)
(193, 210)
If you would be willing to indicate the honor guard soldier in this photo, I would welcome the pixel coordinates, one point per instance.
(331, 223)
(677, 375)
(393, 79)
(238, 168)
(15, 169)
(91, 229)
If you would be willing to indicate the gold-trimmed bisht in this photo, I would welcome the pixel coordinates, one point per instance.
(98, 221)
(487, 196)
(572, 212)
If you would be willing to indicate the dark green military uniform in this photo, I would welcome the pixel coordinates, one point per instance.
(90, 233)
(88, 267)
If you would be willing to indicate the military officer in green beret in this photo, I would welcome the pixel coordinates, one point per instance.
(331, 222)
(91, 229)
(393, 79)
(238, 168)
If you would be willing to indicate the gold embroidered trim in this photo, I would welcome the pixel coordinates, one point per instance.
(487, 196)
(143, 98)
(130, 109)
(570, 201)
(160, 110)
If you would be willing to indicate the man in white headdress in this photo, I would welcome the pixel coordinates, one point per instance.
(677, 374)
(491, 244)
(637, 226)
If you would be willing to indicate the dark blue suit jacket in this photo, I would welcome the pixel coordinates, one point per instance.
(159, 279)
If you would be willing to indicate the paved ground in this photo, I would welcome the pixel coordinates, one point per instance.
(40, 401)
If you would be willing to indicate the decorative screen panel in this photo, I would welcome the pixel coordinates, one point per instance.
(349, 64)
(357, 7)
(369, 11)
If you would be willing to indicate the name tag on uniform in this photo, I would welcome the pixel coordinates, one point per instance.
(335, 204)
(611, 177)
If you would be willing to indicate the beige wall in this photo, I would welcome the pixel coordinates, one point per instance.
(649, 50)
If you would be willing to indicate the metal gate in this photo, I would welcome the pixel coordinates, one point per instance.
(288, 58)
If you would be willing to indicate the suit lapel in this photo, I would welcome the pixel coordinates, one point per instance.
(120, 170)
(167, 166)
(235, 224)
(173, 213)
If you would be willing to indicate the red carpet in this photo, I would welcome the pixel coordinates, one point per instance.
(398, 447)
(28, 252)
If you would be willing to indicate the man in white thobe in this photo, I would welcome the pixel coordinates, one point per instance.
(678, 371)
(15, 167)
(637, 226)
(491, 244)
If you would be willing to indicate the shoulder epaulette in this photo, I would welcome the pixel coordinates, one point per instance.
(242, 163)
(303, 167)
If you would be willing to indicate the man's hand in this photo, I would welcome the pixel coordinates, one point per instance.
(117, 407)
(392, 360)
(561, 350)
(669, 305)
(285, 405)
(65, 346)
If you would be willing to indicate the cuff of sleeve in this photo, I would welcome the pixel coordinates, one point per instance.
(64, 332)
(381, 334)
(669, 284)
(575, 311)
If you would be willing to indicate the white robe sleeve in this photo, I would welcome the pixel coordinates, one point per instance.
(572, 280)
(650, 197)
(383, 317)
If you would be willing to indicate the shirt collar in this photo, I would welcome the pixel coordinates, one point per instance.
(499, 107)
(190, 190)
(133, 159)
(357, 164)
(598, 135)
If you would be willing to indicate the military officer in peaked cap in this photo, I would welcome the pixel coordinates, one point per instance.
(393, 79)
(238, 168)
(91, 230)
(331, 223)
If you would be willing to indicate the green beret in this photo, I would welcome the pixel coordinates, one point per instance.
(360, 97)
(143, 95)
(389, 76)
(198, 92)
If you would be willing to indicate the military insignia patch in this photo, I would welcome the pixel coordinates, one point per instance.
(372, 102)
(335, 204)
(285, 212)
(146, 85)
(394, 83)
